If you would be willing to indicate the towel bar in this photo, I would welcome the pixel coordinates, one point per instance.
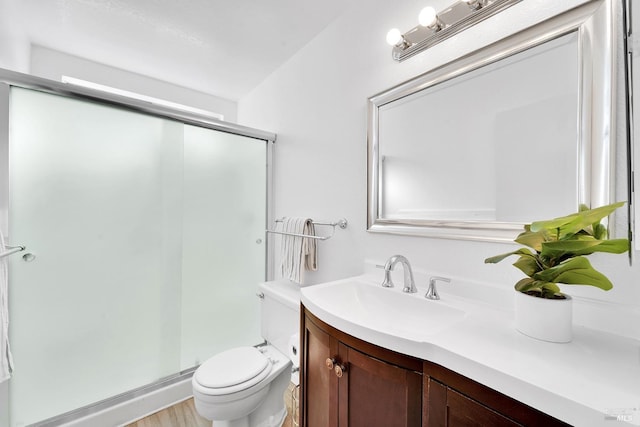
(342, 223)
(12, 250)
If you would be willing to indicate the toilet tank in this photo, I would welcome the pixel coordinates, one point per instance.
(279, 312)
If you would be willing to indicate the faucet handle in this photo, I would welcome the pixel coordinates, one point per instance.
(432, 292)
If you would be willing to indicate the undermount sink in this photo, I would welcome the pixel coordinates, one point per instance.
(387, 310)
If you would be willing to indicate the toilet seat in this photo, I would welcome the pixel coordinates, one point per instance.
(232, 371)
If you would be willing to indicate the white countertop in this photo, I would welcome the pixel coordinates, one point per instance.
(592, 381)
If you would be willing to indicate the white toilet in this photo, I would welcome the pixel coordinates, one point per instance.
(244, 386)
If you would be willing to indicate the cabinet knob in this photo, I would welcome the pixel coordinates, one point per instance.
(330, 362)
(340, 370)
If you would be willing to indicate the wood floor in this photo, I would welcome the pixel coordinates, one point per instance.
(184, 414)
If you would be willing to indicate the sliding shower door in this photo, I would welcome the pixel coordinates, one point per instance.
(223, 258)
(147, 236)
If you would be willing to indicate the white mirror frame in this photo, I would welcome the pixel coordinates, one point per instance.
(595, 26)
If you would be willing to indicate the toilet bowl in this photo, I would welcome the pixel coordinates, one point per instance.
(244, 386)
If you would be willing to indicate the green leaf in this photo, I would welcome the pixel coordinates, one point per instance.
(575, 271)
(600, 232)
(546, 289)
(553, 224)
(613, 246)
(532, 239)
(525, 285)
(549, 289)
(497, 258)
(585, 245)
(528, 265)
(594, 216)
(571, 224)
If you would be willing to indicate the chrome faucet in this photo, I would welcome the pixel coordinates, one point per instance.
(409, 283)
(432, 292)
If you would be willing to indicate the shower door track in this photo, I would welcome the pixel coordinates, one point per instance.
(85, 411)
(27, 81)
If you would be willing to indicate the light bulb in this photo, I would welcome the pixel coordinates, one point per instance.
(428, 17)
(394, 36)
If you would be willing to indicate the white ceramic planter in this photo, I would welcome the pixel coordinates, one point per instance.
(544, 319)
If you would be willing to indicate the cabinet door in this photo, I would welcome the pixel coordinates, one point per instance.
(448, 408)
(464, 412)
(454, 400)
(319, 404)
(376, 393)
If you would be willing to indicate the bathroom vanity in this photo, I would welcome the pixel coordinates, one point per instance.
(348, 381)
(374, 356)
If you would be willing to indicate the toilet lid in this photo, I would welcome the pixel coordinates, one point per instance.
(241, 365)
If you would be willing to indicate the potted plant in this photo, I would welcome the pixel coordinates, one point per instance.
(555, 253)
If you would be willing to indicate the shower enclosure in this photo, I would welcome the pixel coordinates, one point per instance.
(145, 239)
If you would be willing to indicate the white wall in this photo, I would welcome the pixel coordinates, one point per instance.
(17, 53)
(53, 64)
(14, 44)
(316, 102)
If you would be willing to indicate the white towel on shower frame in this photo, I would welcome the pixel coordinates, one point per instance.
(6, 361)
(298, 253)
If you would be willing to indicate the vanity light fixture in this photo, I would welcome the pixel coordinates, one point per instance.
(429, 18)
(435, 27)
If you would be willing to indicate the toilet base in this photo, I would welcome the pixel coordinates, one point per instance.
(274, 421)
(273, 411)
(243, 422)
(263, 416)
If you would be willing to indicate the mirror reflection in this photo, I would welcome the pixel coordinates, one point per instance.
(499, 143)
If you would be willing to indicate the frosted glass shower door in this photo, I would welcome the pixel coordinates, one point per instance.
(95, 314)
(223, 242)
(148, 236)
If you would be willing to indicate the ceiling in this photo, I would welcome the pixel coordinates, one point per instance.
(223, 48)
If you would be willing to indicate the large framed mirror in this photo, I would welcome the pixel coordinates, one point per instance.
(517, 131)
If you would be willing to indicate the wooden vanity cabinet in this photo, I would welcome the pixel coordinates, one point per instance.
(349, 382)
(453, 400)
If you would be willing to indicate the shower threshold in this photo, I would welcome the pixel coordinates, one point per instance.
(129, 406)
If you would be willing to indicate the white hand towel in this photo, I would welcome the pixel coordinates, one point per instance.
(310, 249)
(6, 361)
(298, 253)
